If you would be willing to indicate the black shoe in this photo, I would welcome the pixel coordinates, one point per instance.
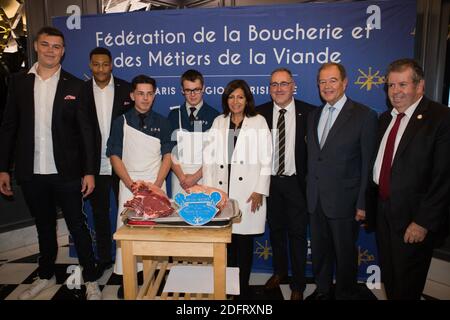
(274, 282)
(120, 294)
(296, 295)
(318, 296)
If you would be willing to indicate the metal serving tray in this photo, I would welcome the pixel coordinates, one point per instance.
(229, 214)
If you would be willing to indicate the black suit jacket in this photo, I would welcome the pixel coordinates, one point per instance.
(420, 174)
(302, 110)
(122, 103)
(72, 131)
(338, 173)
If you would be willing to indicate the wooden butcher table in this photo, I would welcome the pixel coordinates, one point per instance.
(152, 243)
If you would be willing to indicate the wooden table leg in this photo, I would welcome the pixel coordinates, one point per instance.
(129, 271)
(220, 267)
(147, 263)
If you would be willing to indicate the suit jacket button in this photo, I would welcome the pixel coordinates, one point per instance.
(220, 182)
(240, 178)
(320, 159)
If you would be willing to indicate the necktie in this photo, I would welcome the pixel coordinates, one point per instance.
(385, 172)
(281, 141)
(191, 116)
(142, 117)
(327, 127)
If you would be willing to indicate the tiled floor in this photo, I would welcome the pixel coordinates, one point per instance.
(18, 270)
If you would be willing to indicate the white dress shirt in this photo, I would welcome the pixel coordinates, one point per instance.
(197, 108)
(324, 115)
(104, 99)
(401, 129)
(44, 96)
(289, 151)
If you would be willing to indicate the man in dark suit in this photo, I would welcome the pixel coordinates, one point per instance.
(341, 142)
(107, 97)
(408, 196)
(53, 139)
(286, 214)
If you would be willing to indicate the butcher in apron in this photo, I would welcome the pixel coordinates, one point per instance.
(188, 122)
(188, 155)
(142, 164)
(139, 148)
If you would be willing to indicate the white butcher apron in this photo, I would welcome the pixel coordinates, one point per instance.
(141, 156)
(189, 146)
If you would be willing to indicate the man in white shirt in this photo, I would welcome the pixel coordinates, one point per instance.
(286, 206)
(409, 191)
(107, 98)
(53, 140)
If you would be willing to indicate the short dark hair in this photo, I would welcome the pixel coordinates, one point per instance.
(282, 70)
(405, 63)
(100, 50)
(192, 75)
(51, 31)
(340, 67)
(142, 78)
(249, 109)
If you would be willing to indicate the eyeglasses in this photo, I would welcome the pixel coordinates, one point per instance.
(283, 84)
(192, 91)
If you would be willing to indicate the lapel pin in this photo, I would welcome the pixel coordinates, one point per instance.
(419, 116)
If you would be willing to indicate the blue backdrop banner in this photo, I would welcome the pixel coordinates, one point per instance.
(248, 43)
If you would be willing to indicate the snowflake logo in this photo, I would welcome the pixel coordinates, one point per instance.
(364, 256)
(263, 250)
(198, 220)
(368, 79)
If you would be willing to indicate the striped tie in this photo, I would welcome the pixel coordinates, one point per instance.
(191, 116)
(281, 141)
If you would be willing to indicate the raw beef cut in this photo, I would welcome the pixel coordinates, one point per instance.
(198, 188)
(149, 201)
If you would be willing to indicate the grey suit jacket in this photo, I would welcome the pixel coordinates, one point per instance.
(338, 174)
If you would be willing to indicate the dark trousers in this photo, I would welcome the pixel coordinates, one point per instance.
(101, 208)
(41, 194)
(404, 266)
(240, 254)
(288, 220)
(333, 242)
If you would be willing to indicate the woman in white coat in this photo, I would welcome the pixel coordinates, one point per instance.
(238, 160)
